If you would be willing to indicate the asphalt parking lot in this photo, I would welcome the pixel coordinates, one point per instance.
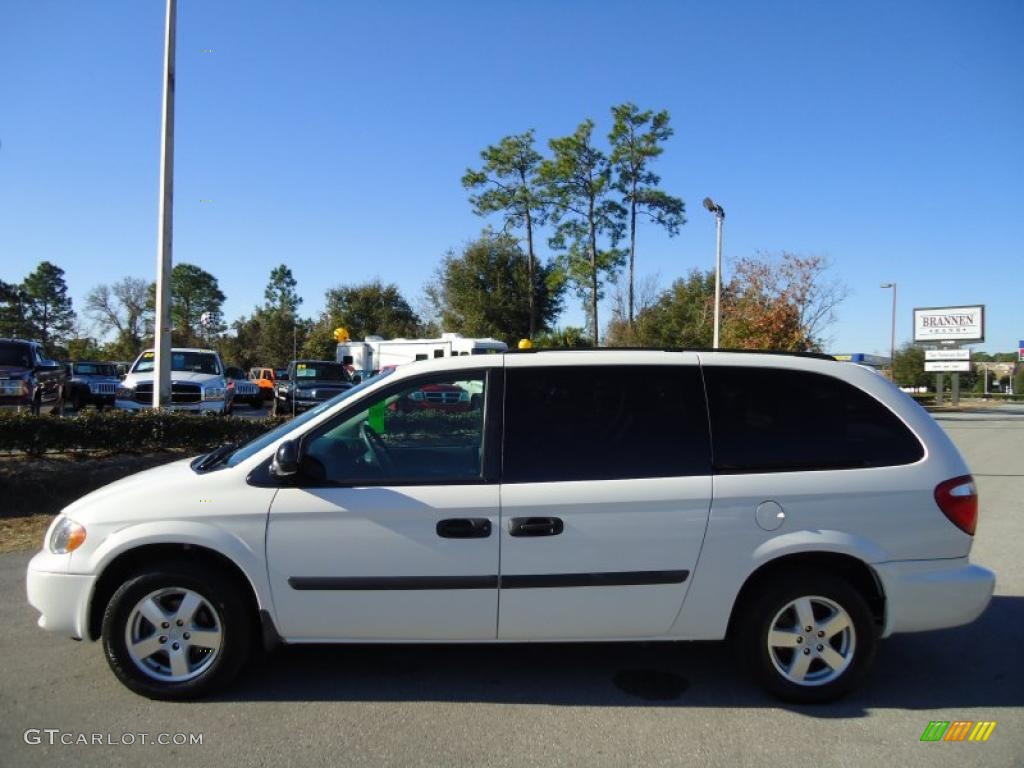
(590, 705)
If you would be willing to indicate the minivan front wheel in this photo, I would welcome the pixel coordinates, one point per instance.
(168, 634)
(809, 638)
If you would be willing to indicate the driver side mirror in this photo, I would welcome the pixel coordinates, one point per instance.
(286, 460)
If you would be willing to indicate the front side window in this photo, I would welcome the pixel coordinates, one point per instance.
(15, 355)
(779, 420)
(430, 431)
(604, 423)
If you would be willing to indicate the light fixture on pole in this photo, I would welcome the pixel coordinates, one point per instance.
(892, 336)
(719, 213)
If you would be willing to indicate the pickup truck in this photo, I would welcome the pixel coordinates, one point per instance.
(91, 384)
(309, 383)
(30, 381)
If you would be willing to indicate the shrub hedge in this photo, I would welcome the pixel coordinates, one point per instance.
(124, 432)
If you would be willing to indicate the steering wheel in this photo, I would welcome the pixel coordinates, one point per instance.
(375, 445)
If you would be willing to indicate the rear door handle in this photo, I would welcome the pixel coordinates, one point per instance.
(535, 526)
(464, 528)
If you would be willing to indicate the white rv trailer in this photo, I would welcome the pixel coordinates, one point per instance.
(376, 353)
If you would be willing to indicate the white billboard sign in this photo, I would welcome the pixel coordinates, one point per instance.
(949, 323)
(947, 354)
(946, 366)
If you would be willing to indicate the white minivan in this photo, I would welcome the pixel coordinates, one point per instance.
(803, 507)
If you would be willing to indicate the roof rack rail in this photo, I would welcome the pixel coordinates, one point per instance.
(783, 352)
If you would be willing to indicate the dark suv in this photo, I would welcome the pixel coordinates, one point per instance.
(91, 384)
(308, 383)
(28, 379)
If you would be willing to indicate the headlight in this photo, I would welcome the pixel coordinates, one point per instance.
(15, 388)
(67, 536)
(125, 393)
(214, 393)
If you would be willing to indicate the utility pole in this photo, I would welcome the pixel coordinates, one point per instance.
(162, 340)
(719, 213)
(892, 335)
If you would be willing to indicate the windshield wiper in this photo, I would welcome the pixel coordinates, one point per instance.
(215, 457)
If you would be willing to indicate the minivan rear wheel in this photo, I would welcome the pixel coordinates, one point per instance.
(174, 634)
(808, 638)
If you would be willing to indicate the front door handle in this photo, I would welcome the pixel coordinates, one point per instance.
(464, 528)
(535, 526)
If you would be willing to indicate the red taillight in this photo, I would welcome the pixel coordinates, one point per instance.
(958, 500)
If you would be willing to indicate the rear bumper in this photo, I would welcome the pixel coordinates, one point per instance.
(62, 599)
(933, 594)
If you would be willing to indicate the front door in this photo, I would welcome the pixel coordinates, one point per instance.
(606, 492)
(391, 531)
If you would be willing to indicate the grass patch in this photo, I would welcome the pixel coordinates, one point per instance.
(18, 534)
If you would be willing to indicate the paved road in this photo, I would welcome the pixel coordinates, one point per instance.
(555, 705)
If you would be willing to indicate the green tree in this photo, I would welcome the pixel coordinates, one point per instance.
(682, 316)
(371, 308)
(636, 139)
(577, 182)
(483, 290)
(267, 337)
(13, 311)
(908, 367)
(508, 184)
(280, 293)
(122, 308)
(569, 337)
(194, 293)
(48, 309)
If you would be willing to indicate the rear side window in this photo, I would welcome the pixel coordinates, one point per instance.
(773, 420)
(596, 423)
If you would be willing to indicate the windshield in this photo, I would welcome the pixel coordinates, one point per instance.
(94, 369)
(267, 438)
(191, 362)
(15, 354)
(320, 370)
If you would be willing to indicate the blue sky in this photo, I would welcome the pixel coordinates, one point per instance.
(332, 136)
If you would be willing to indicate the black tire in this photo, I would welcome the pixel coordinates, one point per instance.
(76, 401)
(37, 405)
(236, 626)
(756, 619)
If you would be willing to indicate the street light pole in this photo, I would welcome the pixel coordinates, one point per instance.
(892, 334)
(162, 340)
(719, 213)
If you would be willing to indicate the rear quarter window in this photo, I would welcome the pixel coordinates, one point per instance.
(777, 420)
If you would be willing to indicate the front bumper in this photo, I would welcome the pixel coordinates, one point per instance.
(62, 599)
(933, 594)
(205, 406)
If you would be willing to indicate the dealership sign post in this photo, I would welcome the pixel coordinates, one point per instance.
(949, 327)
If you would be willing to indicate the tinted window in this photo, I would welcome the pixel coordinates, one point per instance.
(430, 431)
(773, 420)
(595, 423)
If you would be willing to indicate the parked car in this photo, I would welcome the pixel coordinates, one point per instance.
(243, 390)
(264, 378)
(800, 506)
(306, 383)
(91, 383)
(29, 380)
(197, 383)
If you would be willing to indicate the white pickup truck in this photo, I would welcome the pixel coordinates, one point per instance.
(197, 382)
